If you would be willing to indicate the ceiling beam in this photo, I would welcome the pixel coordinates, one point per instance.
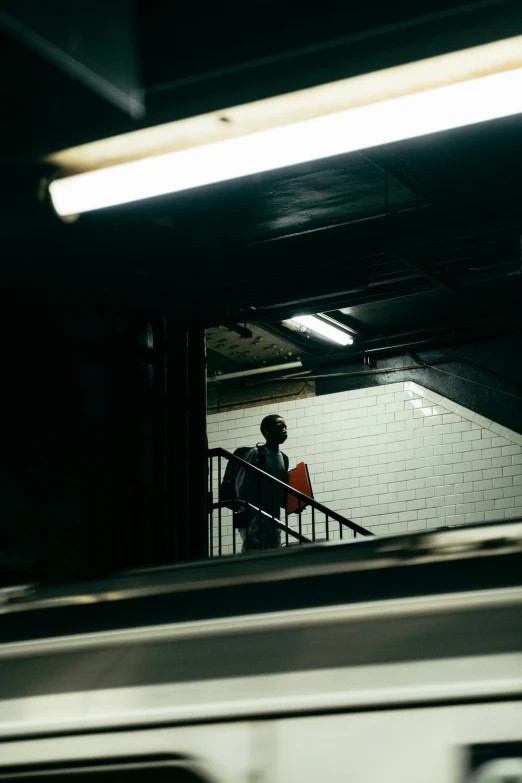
(438, 280)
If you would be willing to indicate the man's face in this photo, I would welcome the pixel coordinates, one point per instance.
(277, 432)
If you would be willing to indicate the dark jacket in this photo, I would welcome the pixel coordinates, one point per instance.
(227, 490)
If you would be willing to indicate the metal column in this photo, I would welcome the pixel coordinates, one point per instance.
(186, 450)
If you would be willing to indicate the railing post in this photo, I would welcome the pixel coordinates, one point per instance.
(211, 505)
(247, 515)
(219, 508)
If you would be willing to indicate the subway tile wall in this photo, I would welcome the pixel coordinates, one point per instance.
(393, 458)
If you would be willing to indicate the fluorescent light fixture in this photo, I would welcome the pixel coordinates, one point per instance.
(324, 328)
(438, 94)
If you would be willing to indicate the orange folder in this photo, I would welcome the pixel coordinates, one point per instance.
(298, 479)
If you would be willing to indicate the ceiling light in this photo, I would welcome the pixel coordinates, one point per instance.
(324, 328)
(441, 93)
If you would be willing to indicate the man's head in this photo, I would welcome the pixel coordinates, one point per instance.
(273, 428)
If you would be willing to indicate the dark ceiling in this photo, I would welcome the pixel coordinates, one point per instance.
(421, 236)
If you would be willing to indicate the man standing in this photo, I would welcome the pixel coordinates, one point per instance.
(263, 498)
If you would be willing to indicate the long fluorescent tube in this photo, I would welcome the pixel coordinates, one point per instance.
(324, 329)
(477, 85)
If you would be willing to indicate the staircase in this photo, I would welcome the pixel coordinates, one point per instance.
(228, 533)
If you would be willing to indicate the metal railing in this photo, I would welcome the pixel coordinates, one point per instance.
(244, 524)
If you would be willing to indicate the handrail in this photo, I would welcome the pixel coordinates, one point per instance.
(276, 522)
(220, 452)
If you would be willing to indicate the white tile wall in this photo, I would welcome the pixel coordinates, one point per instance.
(393, 458)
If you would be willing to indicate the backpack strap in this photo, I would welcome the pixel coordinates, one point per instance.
(227, 489)
(261, 455)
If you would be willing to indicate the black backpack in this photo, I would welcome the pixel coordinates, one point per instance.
(227, 489)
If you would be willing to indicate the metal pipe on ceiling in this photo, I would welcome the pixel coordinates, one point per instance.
(407, 368)
(308, 363)
(334, 375)
(389, 346)
(229, 376)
